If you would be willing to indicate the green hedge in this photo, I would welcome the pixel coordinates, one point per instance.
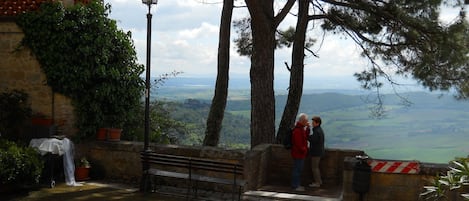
(19, 165)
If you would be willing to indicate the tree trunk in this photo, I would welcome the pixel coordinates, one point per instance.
(262, 72)
(296, 73)
(217, 109)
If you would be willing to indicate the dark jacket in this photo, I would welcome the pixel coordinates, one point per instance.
(299, 148)
(316, 142)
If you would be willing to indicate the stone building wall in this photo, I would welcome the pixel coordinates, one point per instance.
(20, 70)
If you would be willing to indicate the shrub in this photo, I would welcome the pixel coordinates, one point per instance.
(456, 177)
(18, 164)
(87, 58)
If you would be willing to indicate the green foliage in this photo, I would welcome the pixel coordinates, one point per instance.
(164, 128)
(87, 58)
(456, 177)
(184, 123)
(235, 131)
(284, 38)
(14, 110)
(244, 40)
(19, 165)
(408, 36)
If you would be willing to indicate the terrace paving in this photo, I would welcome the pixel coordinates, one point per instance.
(92, 191)
(103, 191)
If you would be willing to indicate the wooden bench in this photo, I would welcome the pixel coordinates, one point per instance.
(192, 170)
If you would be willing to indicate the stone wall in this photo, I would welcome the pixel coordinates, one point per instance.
(121, 160)
(256, 166)
(391, 187)
(20, 70)
(265, 164)
(331, 166)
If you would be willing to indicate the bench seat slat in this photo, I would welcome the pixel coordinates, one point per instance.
(203, 178)
(163, 173)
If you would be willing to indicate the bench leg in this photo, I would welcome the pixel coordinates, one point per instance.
(144, 184)
(196, 189)
(189, 187)
(154, 183)
(239, 193)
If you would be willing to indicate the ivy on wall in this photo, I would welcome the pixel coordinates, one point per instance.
(87, 58)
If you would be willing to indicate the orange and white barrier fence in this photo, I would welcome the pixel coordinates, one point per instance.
(397, 167)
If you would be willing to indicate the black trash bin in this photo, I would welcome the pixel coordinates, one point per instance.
(53, 169)
(361, 176)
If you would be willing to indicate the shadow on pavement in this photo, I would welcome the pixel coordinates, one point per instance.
(91, 191)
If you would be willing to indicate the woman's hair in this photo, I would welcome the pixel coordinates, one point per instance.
(302, 116)
(317, 119)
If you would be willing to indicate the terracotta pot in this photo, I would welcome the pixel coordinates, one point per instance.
(82, 173)
(114, 134)
(41, 121)
(101, 134)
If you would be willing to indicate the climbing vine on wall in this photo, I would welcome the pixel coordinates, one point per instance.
(87, 58)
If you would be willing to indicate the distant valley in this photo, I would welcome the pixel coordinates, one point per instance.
(432, 129)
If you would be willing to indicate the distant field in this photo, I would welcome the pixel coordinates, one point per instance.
(244, 113)
(431, 135)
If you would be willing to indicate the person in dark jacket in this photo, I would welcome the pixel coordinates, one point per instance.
(316, 150)
(299, 150)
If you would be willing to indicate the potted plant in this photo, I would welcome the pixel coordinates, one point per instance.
(101, 134)
(114, 129)
(114, 134)
(82, 171)
(41, 119)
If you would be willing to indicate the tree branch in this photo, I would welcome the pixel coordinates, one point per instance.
(317, 17)
(283, 13)
(311, 51)
(288, 67)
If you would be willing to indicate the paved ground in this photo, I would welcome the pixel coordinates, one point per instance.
(91, 191)
(102, 191)
(330, 191)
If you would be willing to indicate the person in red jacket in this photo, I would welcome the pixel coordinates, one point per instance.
(299, 150)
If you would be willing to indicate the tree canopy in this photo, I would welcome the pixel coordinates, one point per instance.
(405, 36)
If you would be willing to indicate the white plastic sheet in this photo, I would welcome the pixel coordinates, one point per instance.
(63, 147)
(48, 145)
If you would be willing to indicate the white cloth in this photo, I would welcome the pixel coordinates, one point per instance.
(48, 145)
(63, 147)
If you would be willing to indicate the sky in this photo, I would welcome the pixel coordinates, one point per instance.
(185, 39)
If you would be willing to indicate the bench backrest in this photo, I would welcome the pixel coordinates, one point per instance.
(193, 163)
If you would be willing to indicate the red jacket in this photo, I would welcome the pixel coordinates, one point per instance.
(299, 148)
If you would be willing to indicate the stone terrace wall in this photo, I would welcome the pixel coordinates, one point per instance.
(331, 166)
(266, 164)
(20, 70)
(392, 187)
(121, 160)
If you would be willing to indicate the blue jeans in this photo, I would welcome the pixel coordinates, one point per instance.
(298, 165)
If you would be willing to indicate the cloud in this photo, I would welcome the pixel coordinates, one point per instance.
(203, 31)
(185, 38)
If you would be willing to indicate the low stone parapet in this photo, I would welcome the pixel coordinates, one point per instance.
(391, 186)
